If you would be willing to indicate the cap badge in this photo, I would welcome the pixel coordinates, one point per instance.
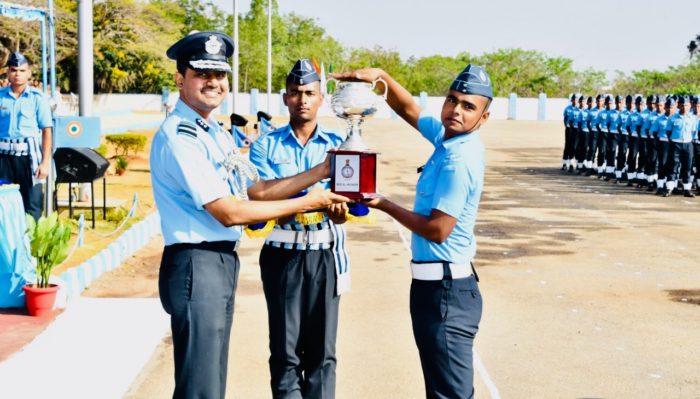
(213, 45)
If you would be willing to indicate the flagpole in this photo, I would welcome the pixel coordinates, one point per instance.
(269, 54)
(234, 61)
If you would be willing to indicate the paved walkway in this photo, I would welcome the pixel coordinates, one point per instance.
(94, 349)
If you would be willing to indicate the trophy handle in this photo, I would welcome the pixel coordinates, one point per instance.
(386, 87)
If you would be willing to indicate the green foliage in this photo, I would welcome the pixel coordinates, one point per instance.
(130, 53)
(127, 142)
(122, 163)
(102, 150)
(684, 79)
(49, 244)
(117, 215)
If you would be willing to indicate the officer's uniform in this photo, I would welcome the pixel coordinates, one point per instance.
(612, 139)
(192, 164)
(624, 139)
(634, 123)
(643, 130)
(303, 267)
(660, 131)
(582, 141)
(21, 121)
(603, 122)
(445, 301)
(652, 164)
(595, 142)
(569, 133)
(683, 129)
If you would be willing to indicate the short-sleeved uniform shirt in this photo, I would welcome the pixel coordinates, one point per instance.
(683, 127)
(23, 116)
(189, 169)
(279, 154)
(451, 182)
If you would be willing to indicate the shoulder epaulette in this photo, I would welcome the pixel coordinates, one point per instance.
(187, 128)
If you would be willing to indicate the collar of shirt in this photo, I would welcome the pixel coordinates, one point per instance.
(459, 139)
(7, 90)
(185, 112)
(318, 134)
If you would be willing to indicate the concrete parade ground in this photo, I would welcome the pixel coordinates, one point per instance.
(591, 290)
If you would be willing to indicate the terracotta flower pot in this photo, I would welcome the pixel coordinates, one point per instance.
(40, 300)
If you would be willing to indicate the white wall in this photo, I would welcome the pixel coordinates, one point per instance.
(112, 104)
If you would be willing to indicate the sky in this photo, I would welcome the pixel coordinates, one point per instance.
(612, 35)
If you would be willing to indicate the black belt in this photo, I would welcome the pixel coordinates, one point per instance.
(218, 246)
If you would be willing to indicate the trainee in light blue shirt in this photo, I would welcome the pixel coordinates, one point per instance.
(188, 171)
(683, 127)
(451, 182)
(23, 116)
(279, 154)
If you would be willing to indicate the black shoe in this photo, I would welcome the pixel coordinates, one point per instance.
(676, 191)
(630, 183)
(607, 178)
(563, 168)
(571, 169)
(589, 172)
(660, 191)
(688, 194)
(650, 188)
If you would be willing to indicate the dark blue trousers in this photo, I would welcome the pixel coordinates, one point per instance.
(302, 309)
(197, 285)
(18, 170)
(445, 316)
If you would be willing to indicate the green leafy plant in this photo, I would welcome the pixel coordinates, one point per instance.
(102, 150)
(49, 244)
(127, 142)
(122, 164)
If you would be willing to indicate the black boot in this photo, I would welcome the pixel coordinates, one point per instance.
(688, 194)
(650, 187)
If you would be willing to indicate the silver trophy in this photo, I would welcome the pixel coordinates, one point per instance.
(354, 101)
(353, 164)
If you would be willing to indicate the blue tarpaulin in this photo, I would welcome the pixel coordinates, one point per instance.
(16, 263)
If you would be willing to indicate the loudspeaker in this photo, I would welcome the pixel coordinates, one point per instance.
(78, 165)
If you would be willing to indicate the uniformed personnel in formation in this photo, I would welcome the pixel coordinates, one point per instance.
(445, 300)
(201, 184)
(25, 134)
(303, 264)
(655, 147)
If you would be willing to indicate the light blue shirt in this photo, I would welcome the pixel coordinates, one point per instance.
(683, 127)
(576, 118)
(593, 118)
(660, 127)
(584, 119)
(614, 121)
(24, 116)
(451, 182)
(279, 154)
(568, 115)
(633, 122)
(188, 171)
(603, 120)
(644, 122)
(624, 121)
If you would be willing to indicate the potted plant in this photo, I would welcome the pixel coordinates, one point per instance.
(49, 246)
(122, 163)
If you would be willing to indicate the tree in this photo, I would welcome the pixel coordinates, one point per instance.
(694, 46)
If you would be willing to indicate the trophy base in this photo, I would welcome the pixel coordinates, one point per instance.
(354, 174)
(359, 196)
